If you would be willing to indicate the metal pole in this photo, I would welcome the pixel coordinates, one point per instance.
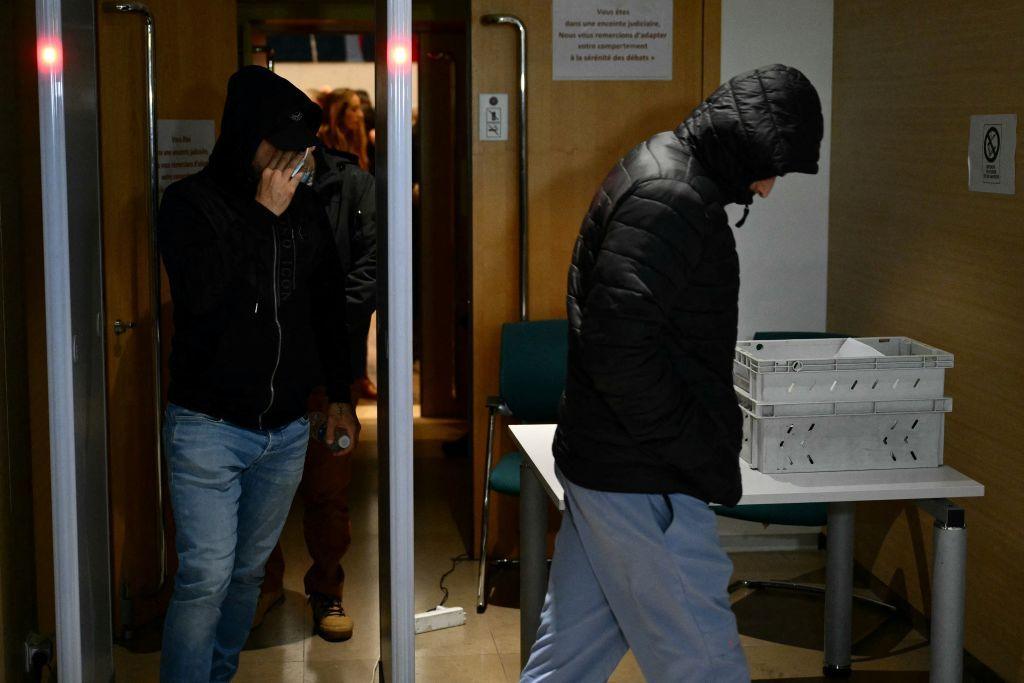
(394, 202)
(948, 590)
(57, 257)
(533, 526)
(490, 20)
(481, 585)
(72, 266)
(839, 590)
(154, 266)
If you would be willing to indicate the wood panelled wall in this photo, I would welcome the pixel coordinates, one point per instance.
(577, 131)
(912, 252)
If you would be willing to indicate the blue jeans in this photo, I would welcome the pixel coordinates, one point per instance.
(231, 489)
(641, 572)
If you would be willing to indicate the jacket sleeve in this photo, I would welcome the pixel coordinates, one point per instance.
(329, 319)
(201, 266)
(648, 249)
(361, 282)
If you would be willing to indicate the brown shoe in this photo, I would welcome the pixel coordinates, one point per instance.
(266, 603)
(329, 619)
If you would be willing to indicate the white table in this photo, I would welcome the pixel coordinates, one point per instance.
(929, 487)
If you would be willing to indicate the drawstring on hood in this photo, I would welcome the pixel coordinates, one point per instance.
(761, 124)
(259, 104)
(746, 212)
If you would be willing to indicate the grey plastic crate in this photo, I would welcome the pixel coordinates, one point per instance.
(805, 371)
(833, 437)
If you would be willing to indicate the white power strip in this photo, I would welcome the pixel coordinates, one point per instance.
(437, 619)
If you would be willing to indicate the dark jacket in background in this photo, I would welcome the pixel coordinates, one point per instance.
(653, 294)
(257, 317)
(348, 195)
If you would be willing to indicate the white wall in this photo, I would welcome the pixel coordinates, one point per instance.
(783, 246)
(313, 76)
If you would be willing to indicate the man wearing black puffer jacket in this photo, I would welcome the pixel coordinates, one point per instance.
(259, 321)
(650, 430)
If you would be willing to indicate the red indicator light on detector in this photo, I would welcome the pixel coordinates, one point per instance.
(399, 55)
(49, 55)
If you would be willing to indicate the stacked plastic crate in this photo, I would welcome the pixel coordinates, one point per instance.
(827, 405)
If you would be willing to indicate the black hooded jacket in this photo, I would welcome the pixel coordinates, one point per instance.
(259, 306)
(653, 294)
(348, 195)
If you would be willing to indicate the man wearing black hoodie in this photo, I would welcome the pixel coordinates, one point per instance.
(650, 430)
(259, 321)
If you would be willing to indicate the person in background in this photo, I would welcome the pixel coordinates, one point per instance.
(417, 240)
(347, 193)
(259, 321)
(370, 122)
(649, 431)
(343, 130)
(327, 98)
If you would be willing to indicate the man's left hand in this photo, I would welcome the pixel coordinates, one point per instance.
(341, 417)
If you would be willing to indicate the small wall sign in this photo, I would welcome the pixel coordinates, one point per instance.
(992, 153)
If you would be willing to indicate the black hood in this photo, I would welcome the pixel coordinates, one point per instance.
(763, 123)
(259, 103)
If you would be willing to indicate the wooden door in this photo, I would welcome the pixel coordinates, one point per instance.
(136, 540)
(196, 52)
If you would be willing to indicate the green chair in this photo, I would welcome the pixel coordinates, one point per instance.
(794, 514)
(531, 380)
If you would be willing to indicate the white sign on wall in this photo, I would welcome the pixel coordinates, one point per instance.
(992, 153)
(611, 40)
(183, 148)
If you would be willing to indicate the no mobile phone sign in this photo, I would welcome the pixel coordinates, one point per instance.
(991, 153)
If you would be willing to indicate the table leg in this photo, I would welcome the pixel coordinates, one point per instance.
(533, 527)
(948, 587)
(839, 590)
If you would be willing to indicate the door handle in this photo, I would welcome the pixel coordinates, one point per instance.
(515, 22)
(120, 326)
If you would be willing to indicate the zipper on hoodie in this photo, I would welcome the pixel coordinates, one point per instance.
(277, 323)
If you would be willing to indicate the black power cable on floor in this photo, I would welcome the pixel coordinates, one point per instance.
(455, 563)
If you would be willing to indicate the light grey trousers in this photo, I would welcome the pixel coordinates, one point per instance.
(644, 572)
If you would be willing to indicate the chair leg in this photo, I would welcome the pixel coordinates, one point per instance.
(481, 587)
(803, 588)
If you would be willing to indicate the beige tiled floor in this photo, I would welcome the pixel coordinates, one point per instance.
(781, 634)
